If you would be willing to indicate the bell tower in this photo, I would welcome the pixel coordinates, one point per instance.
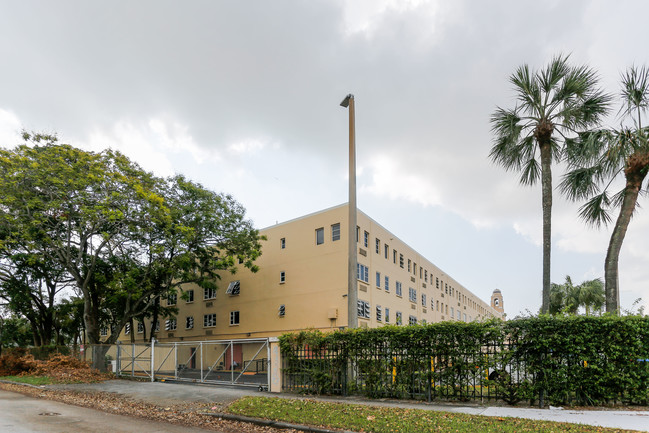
(497, 301)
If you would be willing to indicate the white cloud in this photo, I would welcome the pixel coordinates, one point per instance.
(247, 147)
(10, 128)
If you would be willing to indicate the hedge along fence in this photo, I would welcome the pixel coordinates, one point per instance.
(549, 360)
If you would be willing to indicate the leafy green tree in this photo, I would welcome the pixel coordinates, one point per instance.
(553, 104)
(123, 236)
(599, 157)
(15, 331)
(568, 298)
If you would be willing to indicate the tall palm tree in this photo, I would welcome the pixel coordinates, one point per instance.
(597, 158)
(568, 298)
(553, 104)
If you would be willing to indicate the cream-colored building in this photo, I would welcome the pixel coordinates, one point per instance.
(302, 284)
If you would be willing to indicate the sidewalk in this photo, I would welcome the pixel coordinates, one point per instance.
(168, 393)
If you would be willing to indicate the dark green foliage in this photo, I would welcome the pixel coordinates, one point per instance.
(564, 360)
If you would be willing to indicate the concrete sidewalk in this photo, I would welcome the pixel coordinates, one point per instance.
(169, 393)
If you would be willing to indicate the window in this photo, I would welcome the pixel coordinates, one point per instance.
(234, 288)
(172, 299)
(281, 312)
(386, 248)
(464, 317)
(282, 277)
(394, 256)
(319, 236)
(496, 302)
(437, 305)
(399, 318)
(366, 239)
(170, 324)
(409, 264)
(412, 294)
(453, 312)
(379, 313)
(423, 300)
(362, 273)
(387, 283)
(335, 232)
(209, 293)
(140, 327)
(459, 315)
(363, 309)
(437, 283)
(378, 280)
(378, 246)
(282, 243)
(103, 331)
(127, 329)
(234, 318)
(209, 320)
(401, 261)
(189, 322)
(358, 234)
(432, 304)
(425, 276)
(412, 320)
(190, 296)
(399, 290)
(387, 315)
(156, 325)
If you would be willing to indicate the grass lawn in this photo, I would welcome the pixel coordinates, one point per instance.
(362, 418)
(32, 380)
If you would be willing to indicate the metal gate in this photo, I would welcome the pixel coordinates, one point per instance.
(231, 362)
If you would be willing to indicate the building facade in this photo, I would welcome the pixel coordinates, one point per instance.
(302, 284)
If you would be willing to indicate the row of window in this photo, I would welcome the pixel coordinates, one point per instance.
(364, 312)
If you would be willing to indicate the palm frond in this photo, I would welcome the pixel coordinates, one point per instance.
(550, 77)
(596, 210)
(580, 183)
(531, 172)
(635, 91)
(527, 89)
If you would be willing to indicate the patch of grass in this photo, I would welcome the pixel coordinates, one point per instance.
(32, 380)
(390, 420)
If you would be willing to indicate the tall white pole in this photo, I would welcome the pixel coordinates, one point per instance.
(352, 285)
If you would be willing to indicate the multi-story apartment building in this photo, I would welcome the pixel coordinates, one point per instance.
(302, 283)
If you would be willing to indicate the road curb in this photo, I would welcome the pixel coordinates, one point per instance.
(11, 382)
(270, 423)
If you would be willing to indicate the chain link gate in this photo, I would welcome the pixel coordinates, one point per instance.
(229, 362)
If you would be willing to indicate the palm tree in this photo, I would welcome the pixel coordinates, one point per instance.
(568, 298)
(553, 104)
(597, 158)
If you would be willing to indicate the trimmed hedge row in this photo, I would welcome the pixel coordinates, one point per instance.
(550, 360)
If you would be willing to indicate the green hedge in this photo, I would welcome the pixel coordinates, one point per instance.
(552, 360)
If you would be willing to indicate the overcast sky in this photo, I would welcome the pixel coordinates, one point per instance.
(243, 96)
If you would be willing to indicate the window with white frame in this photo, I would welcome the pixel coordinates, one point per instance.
(425, 276)
(399, 320)
(412, 294)
(234, 288)
(103, 331)
(459, 315)
(394, 256)
(387, 315)
(189, 296)
(363, 309)
(409, 264)
(127, 329)
(234, 318)
(282, 277)
(189, 322)
(209, 320)
(412, 320)
(172, 299)
(209, 293)
(366, 239)
(282, 243)
(379, 313)
(387, 284)
(170, 324)
(140, 327)
(423, 300)
(319, 236)
(432, 304)
(362, 273)
(335, 232)
(401, 261)
(386, 249)
(281, 312)
(378, 280)
(399, 290)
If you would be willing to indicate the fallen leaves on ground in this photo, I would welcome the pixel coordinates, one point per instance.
(188, 414)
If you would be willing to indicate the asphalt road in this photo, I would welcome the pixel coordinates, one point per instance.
(21, 414)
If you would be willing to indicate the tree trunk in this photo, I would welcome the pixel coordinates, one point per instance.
(634, 179)
(546, 197)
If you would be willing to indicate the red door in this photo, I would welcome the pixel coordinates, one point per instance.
(235, 352)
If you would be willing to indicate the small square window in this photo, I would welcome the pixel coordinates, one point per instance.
(363, 309)
(282, 243)
(170, 324)
(209, 320)
(282, 277)
(234, 318)
(319, 236)
(335, 232)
